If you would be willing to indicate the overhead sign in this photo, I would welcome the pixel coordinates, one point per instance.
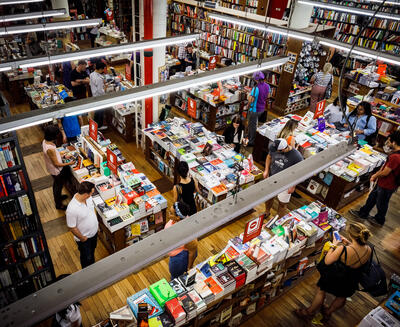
(93, 130)
(253, 229)
(319, 110)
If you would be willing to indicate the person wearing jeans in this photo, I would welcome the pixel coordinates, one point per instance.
(387, 179)
(82, 222)
(182, 257)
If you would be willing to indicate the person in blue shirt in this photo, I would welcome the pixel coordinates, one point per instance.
(362, 121)
(70, 127)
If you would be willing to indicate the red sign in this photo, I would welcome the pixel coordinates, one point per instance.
(93, 130)
(319, 110)
(128, 75)
(253, 229)
(212, 63)
(381, 69)
(109, 15)
(192, 108)
(112, 161)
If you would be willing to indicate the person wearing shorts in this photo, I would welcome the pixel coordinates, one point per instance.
(281, 156)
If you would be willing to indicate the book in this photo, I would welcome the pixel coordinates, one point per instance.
(175, 310)
(177, 287)
(162, 292)
(188, 305)
(144, 296)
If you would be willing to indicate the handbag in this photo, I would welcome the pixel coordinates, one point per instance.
(328, 90)
(373, 277)
(336, 270)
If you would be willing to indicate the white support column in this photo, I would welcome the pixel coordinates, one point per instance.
(61, 4)
(159, 30)
(301, 16)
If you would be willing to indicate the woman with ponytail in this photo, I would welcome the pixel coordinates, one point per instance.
(347, 258)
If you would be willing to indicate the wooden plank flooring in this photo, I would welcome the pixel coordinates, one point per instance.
(65, 255)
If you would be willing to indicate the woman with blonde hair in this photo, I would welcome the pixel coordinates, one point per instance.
(320, 82)
(287, 132)
(340, 271)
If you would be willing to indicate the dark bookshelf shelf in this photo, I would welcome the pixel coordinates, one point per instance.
(11, 169)
(14, 195)
(26, 278)
(7, 139)
(19, 239)
(20, 261)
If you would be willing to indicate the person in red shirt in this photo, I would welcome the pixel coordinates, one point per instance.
(386, 184)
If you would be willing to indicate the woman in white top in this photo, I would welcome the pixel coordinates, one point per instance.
(320, 82)
(54, 165)
(332, 113)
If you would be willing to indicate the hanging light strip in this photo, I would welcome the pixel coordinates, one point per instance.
(33, 15)
(348, 9)
(383, 56)
(37, 117)
(19, 29)
(391, 2)
(17, 2)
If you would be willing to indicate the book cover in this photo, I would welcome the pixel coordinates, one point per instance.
(214, 286)
(162, 292)
(177, 287)
(175, 309)
(166, 320)
(188, 305)
(144, 296)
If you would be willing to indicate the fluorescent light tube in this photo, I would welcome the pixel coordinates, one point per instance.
(91, 104)
(32, 15)
(48, 26)
(17, 2)
(348, 9)
(34, 123)
(104, 51)
(5, 68)
(394, 3)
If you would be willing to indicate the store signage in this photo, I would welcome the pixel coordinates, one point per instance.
(112, 161)
(319, 110)
(128, 72)
(381, 69)
(212, 63)
(192, 108)
(93, 130)
(253, 229)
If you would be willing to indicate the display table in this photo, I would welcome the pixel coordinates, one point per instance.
(41, 96)
(239, 281)
(129, 207)
(15, 84)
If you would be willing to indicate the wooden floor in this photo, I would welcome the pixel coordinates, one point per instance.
(65, 255)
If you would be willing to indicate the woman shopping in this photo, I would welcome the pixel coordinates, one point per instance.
(287, 132)
(340, 271)
(234, 133)
(185, 189)
(362, 121)
(321, 82)
(182, 258)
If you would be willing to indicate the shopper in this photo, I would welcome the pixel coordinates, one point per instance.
(287, 132)
(79, 80)
(55, 166)
(190, 58)
(257, 99)
(348, 258)
(70, 127)
(82, 222)
(234, 133)
(93, 35)
(185, 189)
(67, 68)
(387, 181)
(70, 316)
(280, 156)
(362, 122)
(320, 81)
(98, 86)
(182, 258)
(333, 113)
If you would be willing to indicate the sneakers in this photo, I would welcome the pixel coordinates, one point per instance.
(356, 213)
(374, 222)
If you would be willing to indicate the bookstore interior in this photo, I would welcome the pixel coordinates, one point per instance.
(200, 163)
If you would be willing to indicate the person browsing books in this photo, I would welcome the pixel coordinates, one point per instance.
(321, 82)
(182, 258)
(79, 80)
(387, 180)
(234, 133)
(333, 113)
(55, 166)
(257, 99)
(82, 222)
(281, 156)
(185, 189)
(98, 88)
(287, 132)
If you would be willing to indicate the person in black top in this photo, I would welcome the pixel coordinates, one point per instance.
(234, 133)
(190, 59)
(79, 80)
(186, 188)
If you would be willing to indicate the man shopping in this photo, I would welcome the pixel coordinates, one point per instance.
(82, 222)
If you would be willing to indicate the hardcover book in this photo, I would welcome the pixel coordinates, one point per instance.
(177, 287)
(175, 310)
(162, 292)
(144, 296)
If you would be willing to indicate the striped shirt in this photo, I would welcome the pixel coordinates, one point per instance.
(322, 79)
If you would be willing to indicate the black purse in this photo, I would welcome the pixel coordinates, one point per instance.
(373, 278)
(336, 270)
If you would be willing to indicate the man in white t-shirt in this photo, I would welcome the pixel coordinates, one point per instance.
(82, 222)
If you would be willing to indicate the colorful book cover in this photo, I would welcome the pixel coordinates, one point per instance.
(162, 292)
(144, 296)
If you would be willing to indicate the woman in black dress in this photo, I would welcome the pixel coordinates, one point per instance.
(186, 187)
(351, 255)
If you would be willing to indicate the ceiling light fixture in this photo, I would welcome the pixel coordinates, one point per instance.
(5, 68)
(32, 15)
(37, 117)
(348, 9)
(383, 56)
(103, 51)
(19, 29)
(17, 2)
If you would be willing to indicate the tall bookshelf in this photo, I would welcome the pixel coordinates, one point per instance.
(381, 34)
(25, 264)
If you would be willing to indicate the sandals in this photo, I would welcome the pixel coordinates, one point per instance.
(324, 309)
(303, 314)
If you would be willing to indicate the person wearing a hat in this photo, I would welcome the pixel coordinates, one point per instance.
(257, 98)
(281, 156)
(182, 258)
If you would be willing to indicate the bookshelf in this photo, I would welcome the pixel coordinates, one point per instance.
(25, 264)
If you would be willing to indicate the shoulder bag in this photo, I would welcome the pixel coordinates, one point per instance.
(328, 91)
(336, 270)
